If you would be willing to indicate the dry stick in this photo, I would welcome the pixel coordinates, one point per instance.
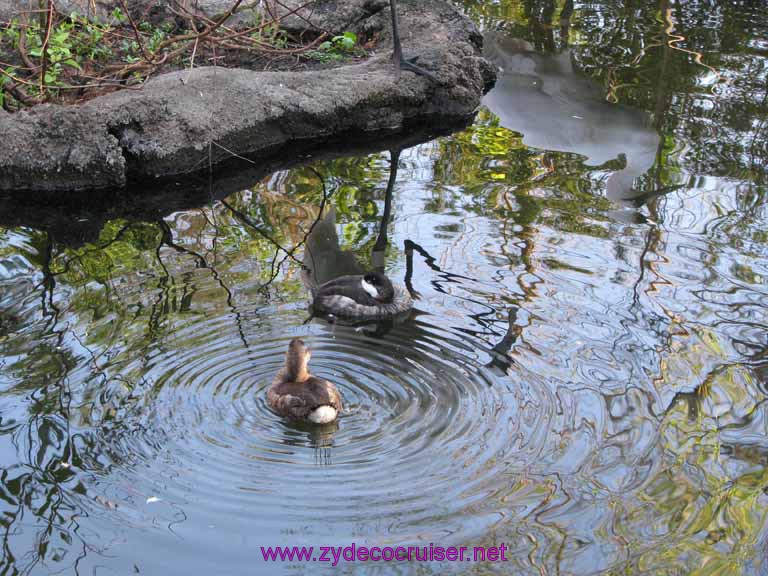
(8, 23)
(136, 33)
(228, 151)
(260, 27)
(191, 18)
(134, 65)
(204, 33)
(27, 83)
(150, 63)
(23, 43)
(259, 43)
(9, 65)
(303, 18)
(123, 69)
(252, 42)
(191, 63)
(213, 25)
(268, 8)
(43, 53)
(270, 49)
(105, 81)
(147, 9)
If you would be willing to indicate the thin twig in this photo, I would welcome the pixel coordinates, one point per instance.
(49, 87)
(246, 220)
(232, 153)
(303, 18)
(23, 43)
(148, 57)
(43, 50)
(191, 63)
(208, 30)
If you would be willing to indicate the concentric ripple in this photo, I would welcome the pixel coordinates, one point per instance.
(421, 440)
(582, 381)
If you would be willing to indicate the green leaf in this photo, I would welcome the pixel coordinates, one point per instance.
(59, 37)
(72, 63)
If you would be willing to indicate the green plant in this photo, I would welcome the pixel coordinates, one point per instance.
(53, 56)
(3, 81)
(336, 48)
(58, 50)
(89, 41)
(270, 34)
(118, 16)
(157, 35)
(12, 32)
(343, 43)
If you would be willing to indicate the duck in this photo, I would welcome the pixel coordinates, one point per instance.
(295, 393)
(361, 296)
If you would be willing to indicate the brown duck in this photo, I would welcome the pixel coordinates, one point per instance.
(297, 394)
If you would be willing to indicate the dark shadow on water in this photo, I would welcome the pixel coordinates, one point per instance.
(75, 218)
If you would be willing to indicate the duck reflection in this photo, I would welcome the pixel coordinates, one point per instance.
(340, 286)
(324, 261)
(501, 360)
(319, 437)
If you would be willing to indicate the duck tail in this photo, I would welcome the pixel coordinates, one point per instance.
(323, 415)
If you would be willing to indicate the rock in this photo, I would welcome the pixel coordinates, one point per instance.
(183, 121)
(57, 148)
(333, 16)
(101, 10)
(10, 9)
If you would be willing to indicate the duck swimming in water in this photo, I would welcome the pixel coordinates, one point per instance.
(370, 295)
(297, 394)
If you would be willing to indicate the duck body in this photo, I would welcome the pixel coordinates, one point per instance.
(370, 295)
(297, 394)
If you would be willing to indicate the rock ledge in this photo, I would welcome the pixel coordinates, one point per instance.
(183, 121)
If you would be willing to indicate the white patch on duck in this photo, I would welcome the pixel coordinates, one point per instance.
(337, 301)
(370, 288)
(322, 415)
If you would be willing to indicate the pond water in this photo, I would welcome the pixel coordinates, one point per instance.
(583, 379)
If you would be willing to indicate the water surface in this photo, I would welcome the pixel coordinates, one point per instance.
(583, 378)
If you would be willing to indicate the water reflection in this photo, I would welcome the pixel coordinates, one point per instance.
(587, 390)
(554, 108)
(324, 260)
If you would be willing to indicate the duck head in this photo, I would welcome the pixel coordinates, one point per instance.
(297, 361)
(378, 286)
